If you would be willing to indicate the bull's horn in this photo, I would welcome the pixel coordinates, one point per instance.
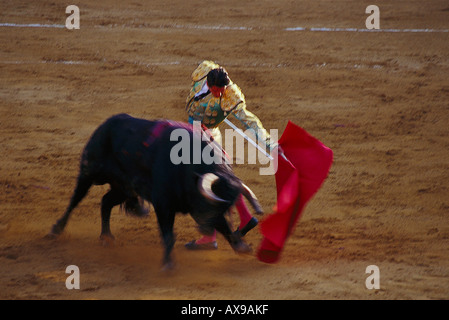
(246, 191)
(205, 186)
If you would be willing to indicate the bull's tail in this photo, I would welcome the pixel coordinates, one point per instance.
(135, 207)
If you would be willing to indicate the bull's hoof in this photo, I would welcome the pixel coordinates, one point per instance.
(193, 245)
(168, 266)
(107, 240)
(242, 247)
(51, 236)
(56, 230)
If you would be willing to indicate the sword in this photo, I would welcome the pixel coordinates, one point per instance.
(229, 123)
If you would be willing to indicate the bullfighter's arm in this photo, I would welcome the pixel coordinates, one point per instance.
(235, 102)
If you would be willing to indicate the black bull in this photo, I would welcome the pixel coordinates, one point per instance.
(133, 156)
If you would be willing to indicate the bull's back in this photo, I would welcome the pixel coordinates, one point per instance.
(119, 135)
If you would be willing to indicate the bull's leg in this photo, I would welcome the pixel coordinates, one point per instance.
(82, 187)
(166, 220)
(234, 239)
(111, 199)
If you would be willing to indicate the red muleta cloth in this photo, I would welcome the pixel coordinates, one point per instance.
(297, 180)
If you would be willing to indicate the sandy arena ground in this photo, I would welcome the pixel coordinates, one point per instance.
(380, 100)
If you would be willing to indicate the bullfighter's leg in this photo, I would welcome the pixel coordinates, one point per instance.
(234, 239)
(247, 221)
(166, 220)
(82, 187)
(111, 199)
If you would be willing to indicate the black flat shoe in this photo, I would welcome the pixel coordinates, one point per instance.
(248, 227)
(192, 245)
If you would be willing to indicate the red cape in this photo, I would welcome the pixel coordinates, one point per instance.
(297, 180)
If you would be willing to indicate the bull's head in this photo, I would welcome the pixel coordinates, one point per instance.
(220, 194)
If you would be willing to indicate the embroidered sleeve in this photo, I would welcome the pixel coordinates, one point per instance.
(252, 122)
